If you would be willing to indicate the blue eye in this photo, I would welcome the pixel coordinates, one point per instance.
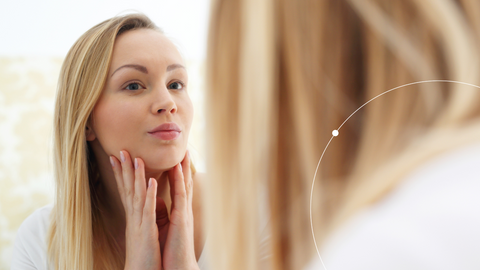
(175, 86)
(133, 86)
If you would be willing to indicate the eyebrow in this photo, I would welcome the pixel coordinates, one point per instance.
(174, 66)
(144, 69)
(137, 67)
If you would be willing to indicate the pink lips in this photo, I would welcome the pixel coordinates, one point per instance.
(166, 132)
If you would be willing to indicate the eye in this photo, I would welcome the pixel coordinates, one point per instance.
(176, 86)
(133, 86)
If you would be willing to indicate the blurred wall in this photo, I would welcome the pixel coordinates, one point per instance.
(26, 109)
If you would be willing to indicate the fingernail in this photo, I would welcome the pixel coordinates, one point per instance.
(188, 155)
(149, 182)
(136, 164)
(181, 169)
(122, 157)
(112, 162)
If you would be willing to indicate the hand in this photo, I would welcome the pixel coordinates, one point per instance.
(179, 252)
(141, 235)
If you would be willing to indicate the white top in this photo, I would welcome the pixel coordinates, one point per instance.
(430, 221)
(30, 247)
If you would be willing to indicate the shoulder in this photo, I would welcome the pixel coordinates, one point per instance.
(444, 186)
(432, 214)
(29, 250)
(35, 226)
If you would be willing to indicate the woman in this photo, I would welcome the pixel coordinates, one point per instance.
(124, 181)
(284, 74)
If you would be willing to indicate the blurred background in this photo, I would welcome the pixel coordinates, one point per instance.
(35, 37)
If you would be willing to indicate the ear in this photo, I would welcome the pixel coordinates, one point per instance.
(90, 133)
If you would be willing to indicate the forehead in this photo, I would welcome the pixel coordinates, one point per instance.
(144, 46)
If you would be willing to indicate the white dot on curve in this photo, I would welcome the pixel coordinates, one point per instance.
(335, 133)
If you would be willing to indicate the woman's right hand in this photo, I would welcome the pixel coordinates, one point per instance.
(141, 236)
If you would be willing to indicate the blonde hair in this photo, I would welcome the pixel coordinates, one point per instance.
(283, 74)
(77, 238)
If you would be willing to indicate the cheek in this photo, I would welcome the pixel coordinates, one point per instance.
(187, 115)
(116, 125)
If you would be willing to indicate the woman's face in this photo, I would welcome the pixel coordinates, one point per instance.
(144, 107)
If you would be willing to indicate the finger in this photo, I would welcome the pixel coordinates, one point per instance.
(128, 177)
(171, 181)
(140, 189)
(179, 201)
(150, 202)
(117, 172)
(187, 176)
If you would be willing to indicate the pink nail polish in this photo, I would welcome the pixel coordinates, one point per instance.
(122, 157)
(112, 162)
(136, 163)
(181, 169)
(150, 182)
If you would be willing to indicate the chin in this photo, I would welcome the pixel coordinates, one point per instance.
(162, 162)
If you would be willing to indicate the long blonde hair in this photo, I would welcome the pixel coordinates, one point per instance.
(77, 238)
(283, 74)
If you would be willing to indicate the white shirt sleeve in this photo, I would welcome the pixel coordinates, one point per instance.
(29, 249)
(431, 221)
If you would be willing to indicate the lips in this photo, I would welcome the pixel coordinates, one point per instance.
(166, 132)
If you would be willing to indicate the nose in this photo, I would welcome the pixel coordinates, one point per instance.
(164, 102)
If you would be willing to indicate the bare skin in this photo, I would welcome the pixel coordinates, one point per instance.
(147, 87)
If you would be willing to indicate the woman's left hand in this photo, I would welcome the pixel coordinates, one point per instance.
(178, 251)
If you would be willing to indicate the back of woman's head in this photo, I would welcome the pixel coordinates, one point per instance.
(283, 74)
(71, 243)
